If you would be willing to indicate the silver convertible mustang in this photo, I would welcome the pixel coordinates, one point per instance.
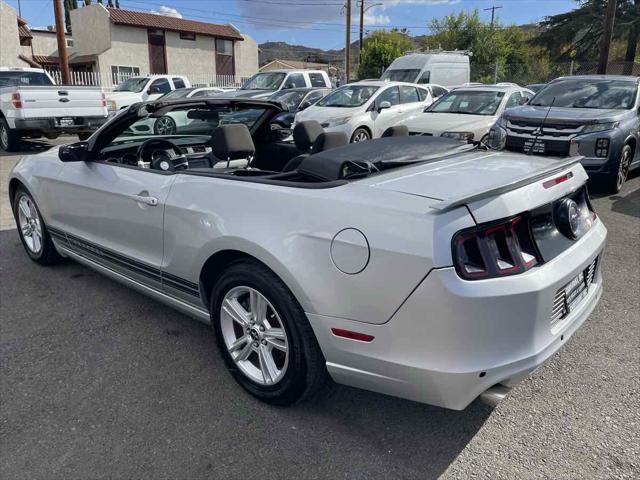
(413, 266)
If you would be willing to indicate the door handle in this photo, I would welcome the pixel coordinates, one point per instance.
(146, 199)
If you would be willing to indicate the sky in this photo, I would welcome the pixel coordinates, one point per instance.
(317, 23)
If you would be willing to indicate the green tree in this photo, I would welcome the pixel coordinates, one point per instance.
(110, 3)
(380, 49)
(68, 6)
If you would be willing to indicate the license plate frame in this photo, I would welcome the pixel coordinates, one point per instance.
(575, 292)
(66, 122)
(538, 147)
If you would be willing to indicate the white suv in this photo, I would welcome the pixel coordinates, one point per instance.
(265, 84)
(364, 110)
(143, 89)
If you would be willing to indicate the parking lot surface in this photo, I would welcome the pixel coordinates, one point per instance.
(98, 381)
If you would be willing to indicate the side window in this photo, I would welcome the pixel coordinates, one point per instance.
(424, 78)
(391, 95)
(314, 96)
(527, 95)
(295, 80)
(162, 85)
(424, 94)
(178, 82)
(438, 91)
(409, 94)
(317, 80)
(514, 100)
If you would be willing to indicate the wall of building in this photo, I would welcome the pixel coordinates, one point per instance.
(91, 30)
(9, 40)
(246, 54)
(129, 48)
(189, 56)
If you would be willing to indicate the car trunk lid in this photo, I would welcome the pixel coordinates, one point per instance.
(39, 102)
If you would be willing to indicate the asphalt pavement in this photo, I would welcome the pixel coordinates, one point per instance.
(98, 381)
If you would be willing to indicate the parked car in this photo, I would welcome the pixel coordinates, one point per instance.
(466, 113)
(192, 92)
(536, 87)
(418, 267)
(296, 100)
(143, 89)
(598, 116)
(364, 110)
(437, 91)
(264, 84)
(446, 68)
(32, 106)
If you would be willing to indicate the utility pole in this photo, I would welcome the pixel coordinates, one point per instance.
(609, 18)
(62, 42)
(361, 31)
(347, 49)
(493, 13)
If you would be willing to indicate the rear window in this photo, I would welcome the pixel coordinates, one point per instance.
(24, 79)
(317, 80)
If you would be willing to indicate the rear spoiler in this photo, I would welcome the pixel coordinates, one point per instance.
(562, 165)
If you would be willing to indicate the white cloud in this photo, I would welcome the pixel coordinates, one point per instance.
(370, 18)
(168, 12)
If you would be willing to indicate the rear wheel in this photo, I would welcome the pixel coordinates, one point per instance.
(9, 139)
(615, 180)
(264, 336)
(32, 230)
(360, 135)
(164, 126)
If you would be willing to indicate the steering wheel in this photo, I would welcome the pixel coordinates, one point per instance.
(161, 154)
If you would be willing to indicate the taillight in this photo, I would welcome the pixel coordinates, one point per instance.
(495, 249)
(16, 100)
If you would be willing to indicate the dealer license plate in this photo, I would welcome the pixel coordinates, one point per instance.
(538, 147)
(65, 122)
(575, 291)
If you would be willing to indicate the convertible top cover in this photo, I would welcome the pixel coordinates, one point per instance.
(335, 164)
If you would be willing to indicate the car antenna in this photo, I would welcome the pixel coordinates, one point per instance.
(535, 140)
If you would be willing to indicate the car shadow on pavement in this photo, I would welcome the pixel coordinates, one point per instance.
(99, 380)
(29, 146)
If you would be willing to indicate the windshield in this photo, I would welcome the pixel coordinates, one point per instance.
(406, 75)
(176, 94)
(348, 96)
(194, 120)
(289, 98)
(588, 93)
(133, 84)
(264, 81)
(16, 78)
(468, 102)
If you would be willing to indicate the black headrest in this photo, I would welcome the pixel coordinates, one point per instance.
(305, 133)
(327, 141)
(397, 131)
(232, 142)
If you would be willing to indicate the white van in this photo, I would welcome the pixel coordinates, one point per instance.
(443, 68)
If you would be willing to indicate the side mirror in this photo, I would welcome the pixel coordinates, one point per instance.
(76, 152)
(383, 106)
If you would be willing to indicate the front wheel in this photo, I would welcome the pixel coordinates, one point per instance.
(32, 230)
(615, 180)
(360, 135)
(264, 335)
(9, 139)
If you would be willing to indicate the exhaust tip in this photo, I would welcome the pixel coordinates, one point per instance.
(494, 395)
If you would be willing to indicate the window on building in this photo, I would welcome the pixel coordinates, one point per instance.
(70, 42)
(295, 80)
(224, 47)
(317, 80)
(178, 82)
(187, 36)
(119, 74)
(25, 42)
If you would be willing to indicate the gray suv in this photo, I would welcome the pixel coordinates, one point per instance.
(596, 116)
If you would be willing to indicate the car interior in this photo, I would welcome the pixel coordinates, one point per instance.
(239, 146)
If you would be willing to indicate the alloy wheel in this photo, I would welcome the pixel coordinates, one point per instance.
(623, 170)
(164, 126)
(254, 335)
(30, 224)
(4, 136)
(361, 136)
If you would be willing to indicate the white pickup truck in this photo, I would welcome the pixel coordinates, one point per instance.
(143, 89)
(32, 106)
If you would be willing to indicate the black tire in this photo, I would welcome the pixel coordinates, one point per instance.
(47, 254)
(165, 125)
(614, 181)
(360, 135)
(9, 139)
(84, 136)
(306, 371)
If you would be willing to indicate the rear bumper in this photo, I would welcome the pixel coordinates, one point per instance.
(453, 339)
(51, 125)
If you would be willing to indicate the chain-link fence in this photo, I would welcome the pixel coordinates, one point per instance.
(542, 72)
